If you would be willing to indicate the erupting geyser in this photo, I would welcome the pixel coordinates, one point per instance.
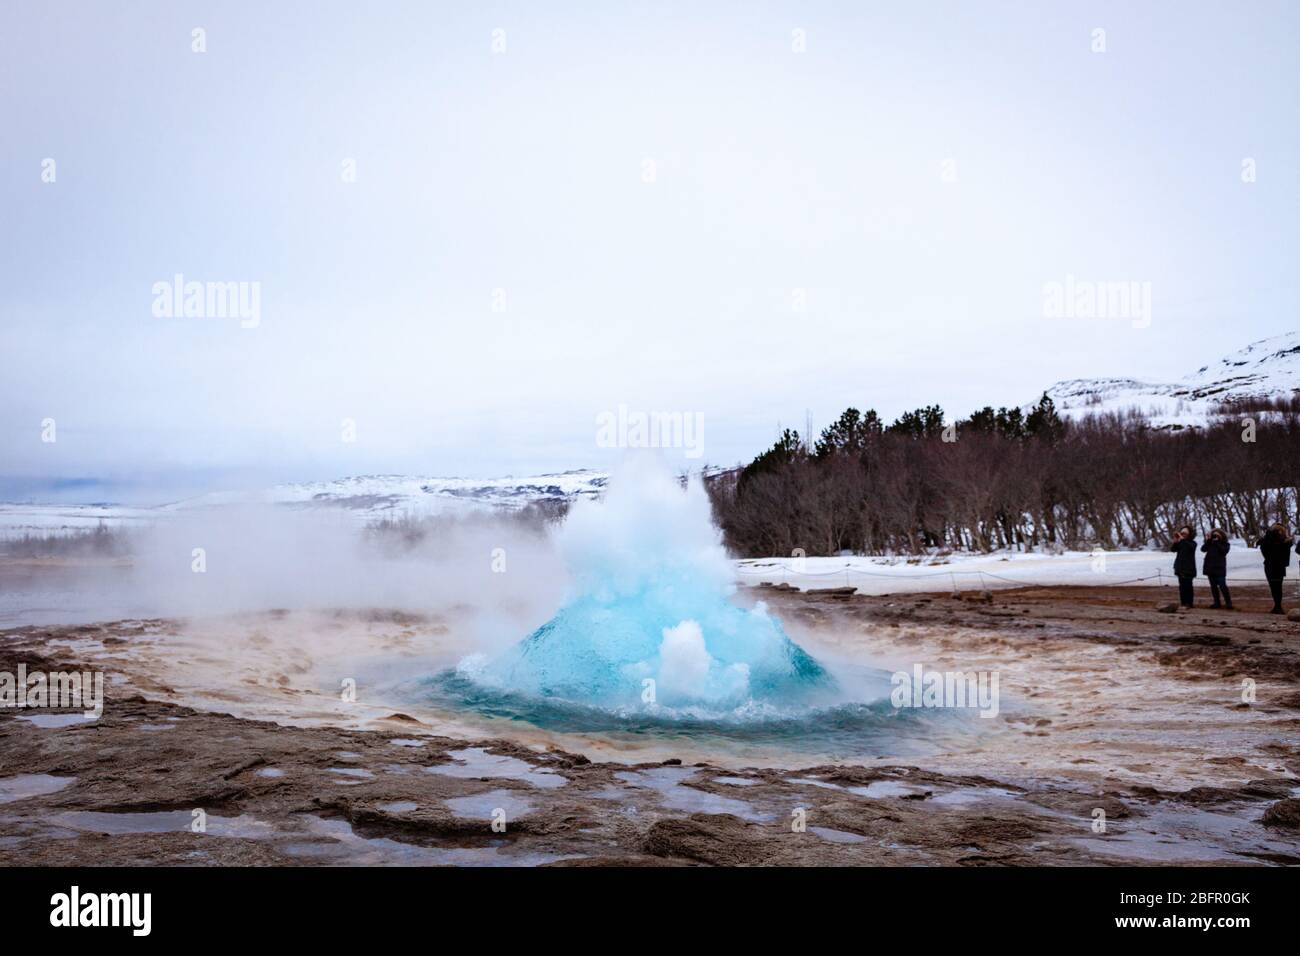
(649, 627)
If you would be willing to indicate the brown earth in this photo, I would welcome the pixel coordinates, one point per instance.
(135, 785)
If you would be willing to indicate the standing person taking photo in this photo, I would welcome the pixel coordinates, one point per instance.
(1215, 566)
(1184, 546)
(1275, 548)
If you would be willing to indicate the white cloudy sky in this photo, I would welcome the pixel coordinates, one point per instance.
(523, 171)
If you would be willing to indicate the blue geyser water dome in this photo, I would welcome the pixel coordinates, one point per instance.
(650, 628)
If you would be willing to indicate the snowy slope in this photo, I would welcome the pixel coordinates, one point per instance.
(363, 498)
(19, 520)
(393, 495)
(1269, 368)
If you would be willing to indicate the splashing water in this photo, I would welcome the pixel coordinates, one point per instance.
(650, 629)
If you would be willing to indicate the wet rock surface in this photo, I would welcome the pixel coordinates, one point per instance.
(1284, 813)
(152, 782)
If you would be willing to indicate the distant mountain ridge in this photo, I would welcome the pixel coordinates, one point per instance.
(391, 495)
(1267, 369)
(364, 498)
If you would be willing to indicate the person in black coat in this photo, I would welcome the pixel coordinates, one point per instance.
(1184, 546)
(1215, 566)
(1275, 547)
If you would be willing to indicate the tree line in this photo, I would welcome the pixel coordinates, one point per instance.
(1007, 478)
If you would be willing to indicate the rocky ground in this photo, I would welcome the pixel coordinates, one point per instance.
(155, 782)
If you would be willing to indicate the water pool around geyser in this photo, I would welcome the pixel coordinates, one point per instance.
(584, 672)
(650, 643)
(846, 730)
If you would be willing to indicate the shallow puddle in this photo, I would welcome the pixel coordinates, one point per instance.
(837, 836)
(667, 782)
(55, 721)
(1177, 836)
(353, 775)
(878, 789)
(475, 762)
(484, 805)
(962, 798)
(341, 845)
(161, 821)
(26, 785)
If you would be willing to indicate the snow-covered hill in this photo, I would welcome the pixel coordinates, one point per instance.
(394, 495)
(365, 498)
(1269, 368)
(38, 520)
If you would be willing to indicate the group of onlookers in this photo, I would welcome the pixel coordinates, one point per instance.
(1275, 547)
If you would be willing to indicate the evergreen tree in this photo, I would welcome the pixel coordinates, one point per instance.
(850, 434)
(1011, 423)
(984, 421)
(925, 422)
(1043, 422)
(788, 448)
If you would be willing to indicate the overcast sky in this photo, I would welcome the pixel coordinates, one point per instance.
(625, 205)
